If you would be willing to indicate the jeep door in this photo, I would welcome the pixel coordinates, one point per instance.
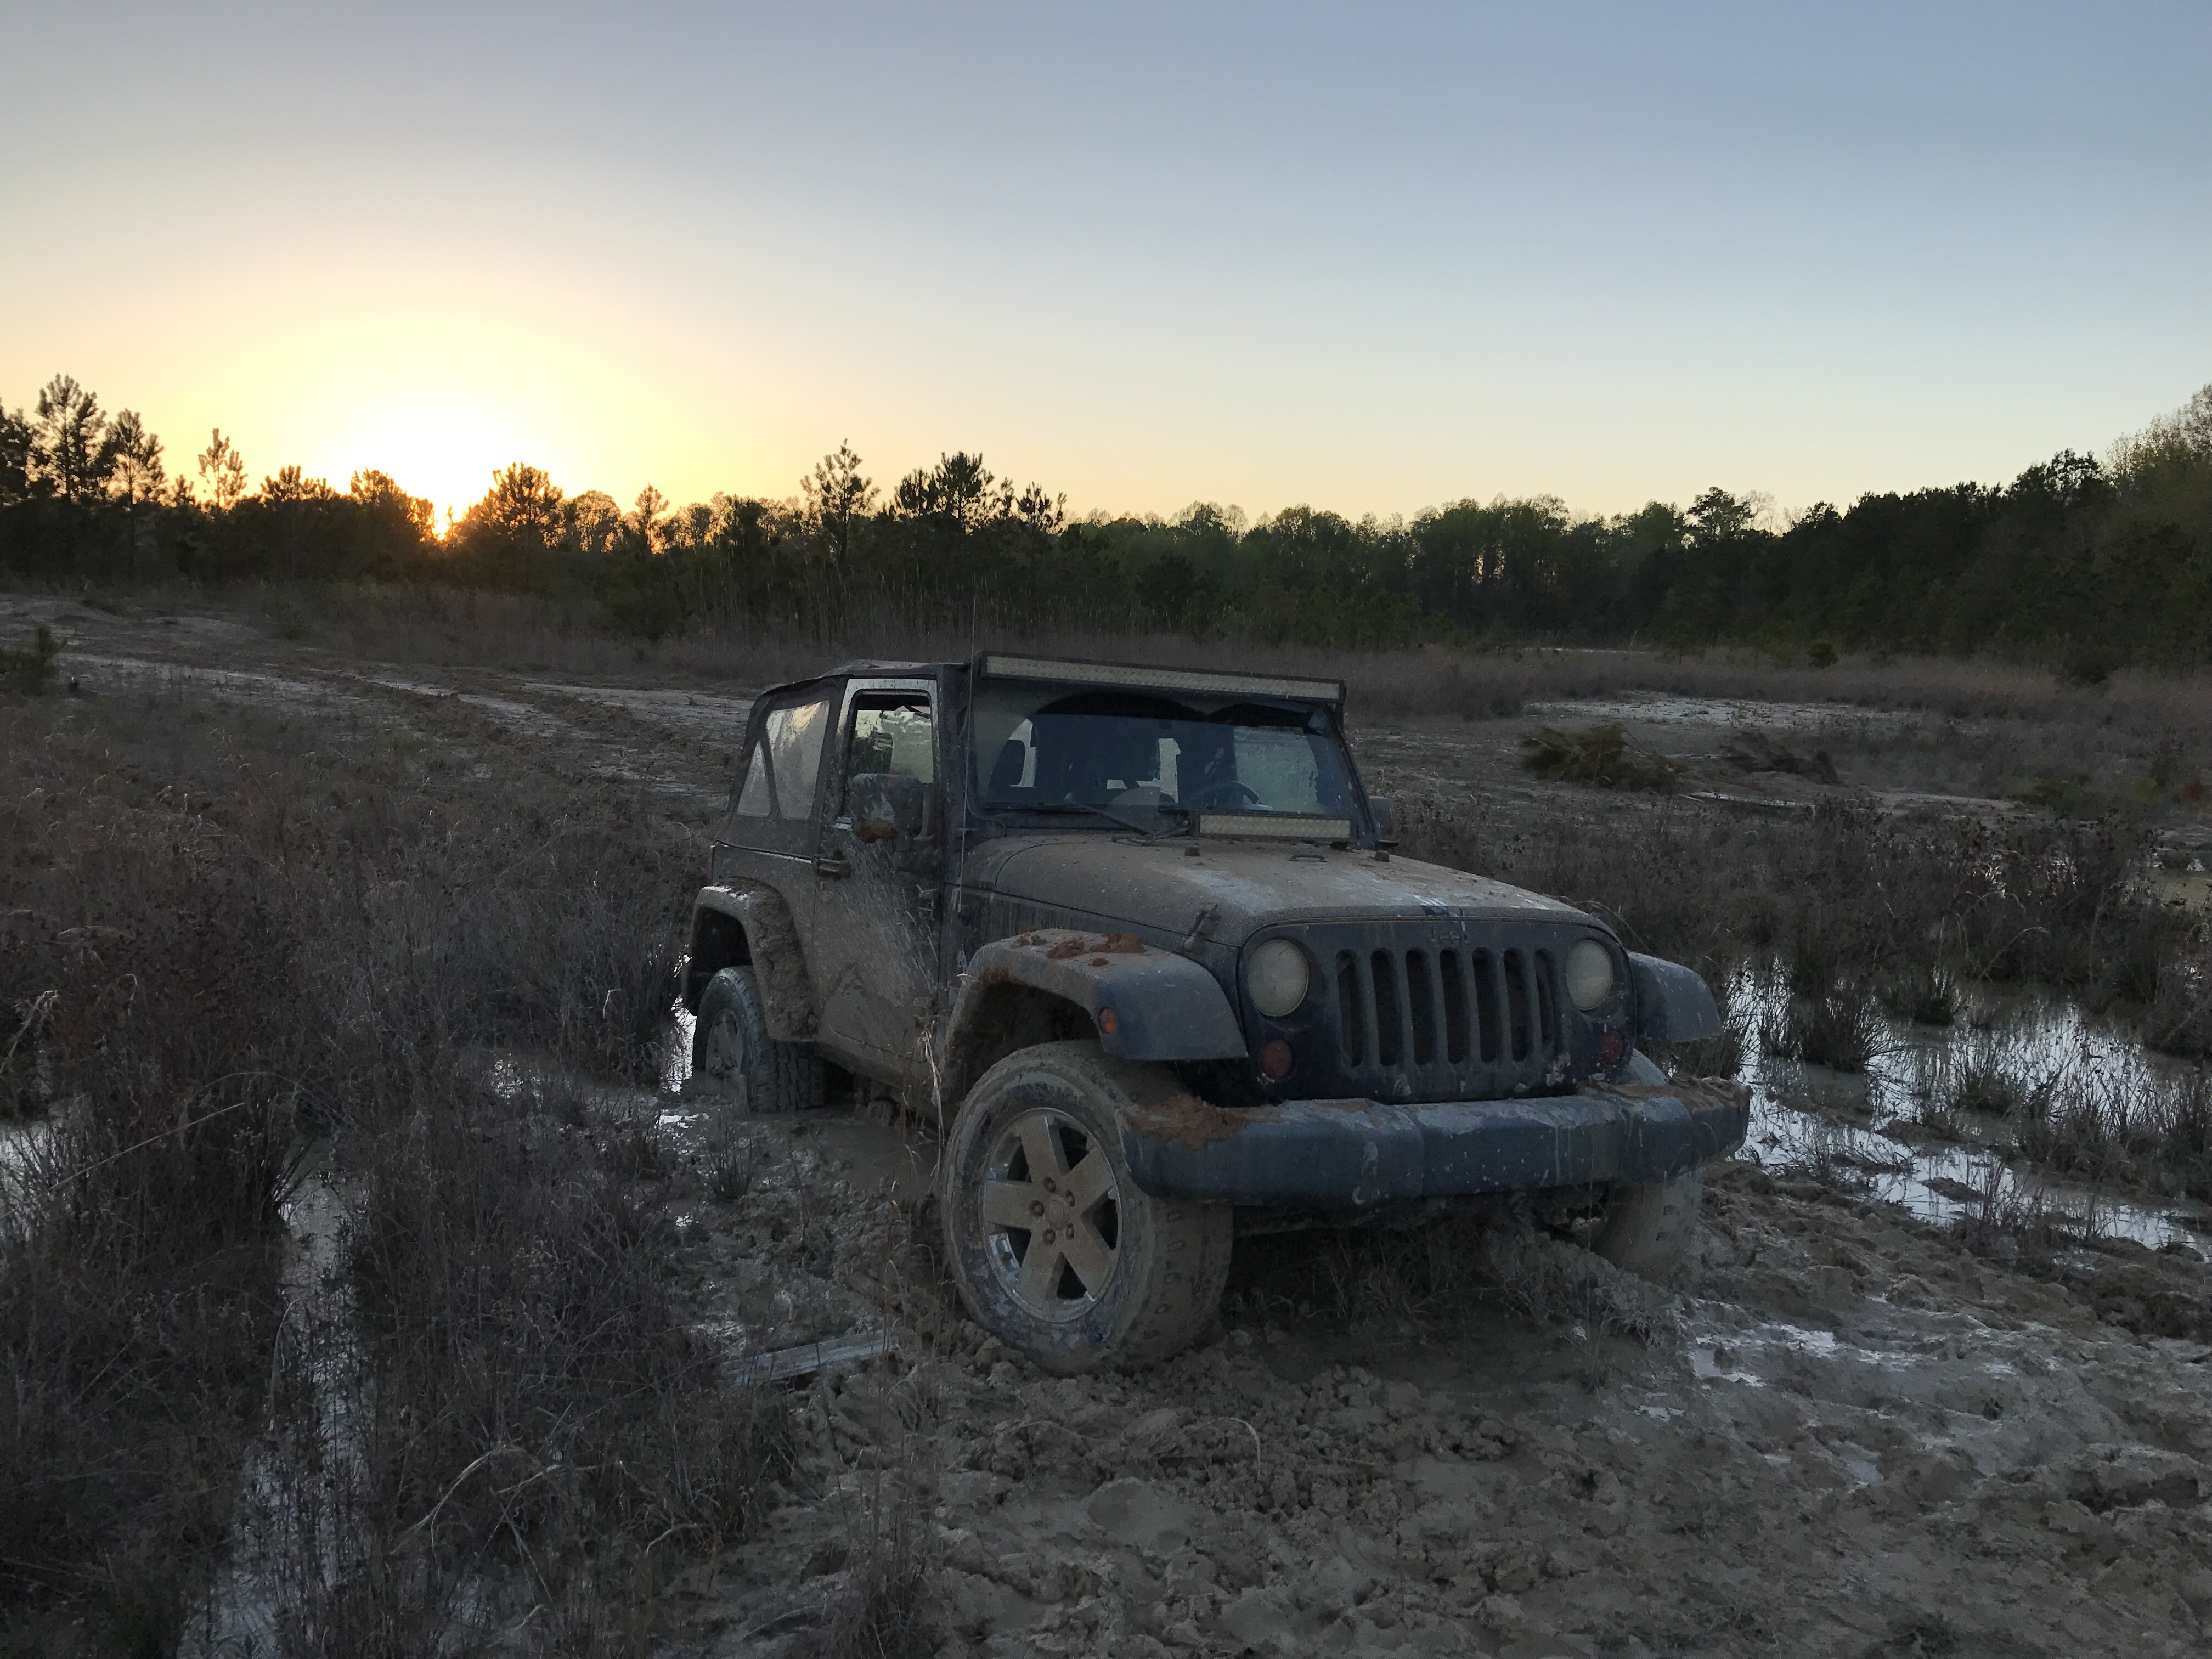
(875, 904)
(770, 838)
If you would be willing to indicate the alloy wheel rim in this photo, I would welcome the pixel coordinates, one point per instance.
(1051, 1214)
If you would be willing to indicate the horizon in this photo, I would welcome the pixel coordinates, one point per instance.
(1265, 259)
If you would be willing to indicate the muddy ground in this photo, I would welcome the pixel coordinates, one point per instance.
(1853, 1435)
(1853, 1432)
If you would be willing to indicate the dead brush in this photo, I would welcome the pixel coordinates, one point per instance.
(1372, 1277)
(2004, 1219)
(888, 1605)
(140, 1224)
(1554, 1282)
(1599, 754)
(2180, 1019)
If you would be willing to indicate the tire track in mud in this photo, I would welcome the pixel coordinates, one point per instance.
(595, 731)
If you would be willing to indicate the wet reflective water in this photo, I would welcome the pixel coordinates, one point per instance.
(1880, 1128)
(1656, 709)
(19, 1144)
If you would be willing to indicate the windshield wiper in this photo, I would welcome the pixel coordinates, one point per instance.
(1148, 831)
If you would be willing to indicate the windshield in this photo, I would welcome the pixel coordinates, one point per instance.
(1143, 755)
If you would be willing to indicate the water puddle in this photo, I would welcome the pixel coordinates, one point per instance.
(20, 1140)
(1660, 710)
(1891, 1132)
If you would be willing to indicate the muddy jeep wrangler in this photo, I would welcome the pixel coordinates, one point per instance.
(1135, 940)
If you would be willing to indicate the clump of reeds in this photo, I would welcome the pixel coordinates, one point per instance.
(1920, 991)
(1840, 1029)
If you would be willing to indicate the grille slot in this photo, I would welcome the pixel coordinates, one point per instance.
(1351, 1005)
(1517, 1002)
(1421, 1005)
(1490, 1022)
(1454, 985)
(1446, 1022)
(1548, 1004)
(1389, 1030)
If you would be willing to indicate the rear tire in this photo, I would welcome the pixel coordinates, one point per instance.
(1650, 1228)
(1055, 1249)
(731, 1044)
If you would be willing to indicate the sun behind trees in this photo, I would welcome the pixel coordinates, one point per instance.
(2093, 564)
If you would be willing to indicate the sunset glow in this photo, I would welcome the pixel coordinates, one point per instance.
(1254, 256)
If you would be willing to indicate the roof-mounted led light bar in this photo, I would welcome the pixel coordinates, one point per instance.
(998, 665)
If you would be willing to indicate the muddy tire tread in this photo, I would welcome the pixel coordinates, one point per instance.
(1650, 1227)
(780, 1077)
(1180, 1266)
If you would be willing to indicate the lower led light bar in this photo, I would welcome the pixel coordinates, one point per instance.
(1275, 826)
(998, 665)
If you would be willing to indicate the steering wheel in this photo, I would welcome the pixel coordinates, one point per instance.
(1218, 794)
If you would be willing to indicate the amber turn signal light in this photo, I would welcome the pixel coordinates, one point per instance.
(1275, 1059)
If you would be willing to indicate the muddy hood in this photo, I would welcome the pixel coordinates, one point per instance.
(1158, 887)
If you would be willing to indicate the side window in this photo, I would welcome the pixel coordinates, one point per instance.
(753, 800)
(891, 733)
(794, 742)
(780, 777)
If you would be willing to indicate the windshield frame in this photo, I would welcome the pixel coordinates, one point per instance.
(1316, 719)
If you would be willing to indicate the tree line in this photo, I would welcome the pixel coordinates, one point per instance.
(2101, 562)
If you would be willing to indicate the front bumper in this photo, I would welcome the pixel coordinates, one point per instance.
(1347, 1154)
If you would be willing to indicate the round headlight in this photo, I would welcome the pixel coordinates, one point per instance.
(1589, 975)
(1279, 977)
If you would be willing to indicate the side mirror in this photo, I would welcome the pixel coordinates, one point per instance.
(885, 806)
(1385, 811)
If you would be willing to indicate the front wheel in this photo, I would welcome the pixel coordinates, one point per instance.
(1055, 1249)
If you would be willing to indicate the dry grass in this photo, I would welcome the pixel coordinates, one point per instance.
(1849, 900)
(531, 1412)
(225, 934)
(888, 1605)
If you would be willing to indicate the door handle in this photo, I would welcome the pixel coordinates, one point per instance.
(829, 864)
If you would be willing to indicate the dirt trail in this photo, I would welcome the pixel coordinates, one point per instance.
(1851, 1435)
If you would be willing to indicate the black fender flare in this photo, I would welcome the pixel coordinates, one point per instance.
(1143, 1003)
(771, 942)
(1673, 1003)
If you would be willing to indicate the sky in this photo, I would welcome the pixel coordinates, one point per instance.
(1369, 257)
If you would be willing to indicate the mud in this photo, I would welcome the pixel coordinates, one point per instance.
(1852, 1435)
(1187, 1121)
(1862, 1429)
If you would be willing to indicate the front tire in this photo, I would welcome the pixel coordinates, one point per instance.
(1650, 1228)
(731, 1044)
(1055, 1249)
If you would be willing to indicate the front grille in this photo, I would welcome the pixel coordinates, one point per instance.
(1443, 1023)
